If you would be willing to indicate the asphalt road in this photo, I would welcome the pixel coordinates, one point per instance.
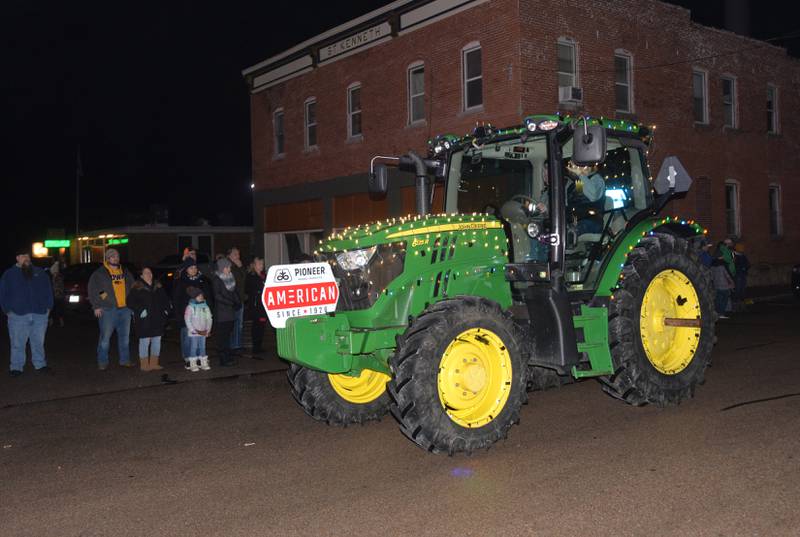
(234, 455)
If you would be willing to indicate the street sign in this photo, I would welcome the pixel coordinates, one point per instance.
(299, 290)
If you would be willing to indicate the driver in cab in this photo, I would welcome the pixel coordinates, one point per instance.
(585, 197)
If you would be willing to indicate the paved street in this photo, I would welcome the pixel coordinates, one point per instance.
(229, 453)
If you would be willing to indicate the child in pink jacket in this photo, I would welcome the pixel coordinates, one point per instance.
(198, 320)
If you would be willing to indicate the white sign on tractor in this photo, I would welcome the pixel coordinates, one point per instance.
(299, 290)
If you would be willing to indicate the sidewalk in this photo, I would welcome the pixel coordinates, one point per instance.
(71, 355)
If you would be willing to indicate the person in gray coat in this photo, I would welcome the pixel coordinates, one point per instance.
(226, 306)
(109, 286)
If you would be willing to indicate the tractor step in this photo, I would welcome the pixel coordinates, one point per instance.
(593, 324)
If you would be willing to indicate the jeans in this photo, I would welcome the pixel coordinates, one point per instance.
(21, 329)
(238, 323)
(119, 320)
(721, 302)
(197, 346)
(185, 342)
(154, 345)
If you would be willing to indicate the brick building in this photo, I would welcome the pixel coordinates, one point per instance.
(385, 82)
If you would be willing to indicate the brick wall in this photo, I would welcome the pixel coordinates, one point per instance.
(518, 41)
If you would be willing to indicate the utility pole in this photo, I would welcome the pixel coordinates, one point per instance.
(78, 174)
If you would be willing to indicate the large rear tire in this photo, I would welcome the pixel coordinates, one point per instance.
(459, 376)
(661, 324)
(339, 399)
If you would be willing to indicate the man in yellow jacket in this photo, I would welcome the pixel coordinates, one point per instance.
(109, 286)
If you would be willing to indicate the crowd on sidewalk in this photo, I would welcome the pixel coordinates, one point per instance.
(201, 305)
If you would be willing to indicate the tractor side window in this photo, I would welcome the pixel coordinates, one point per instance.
(600, 201)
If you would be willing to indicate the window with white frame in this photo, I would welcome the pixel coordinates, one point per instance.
(775, 220)
(732, 227)
(311, 123)
(772, 109)
(567, 63)
(278, 131)
(729, 103)
(472, 69)
(354, 110)
(416, 93)
(699, 96)
(623, 86)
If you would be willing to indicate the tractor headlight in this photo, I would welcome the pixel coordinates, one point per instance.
(363, 275)
(356, 259)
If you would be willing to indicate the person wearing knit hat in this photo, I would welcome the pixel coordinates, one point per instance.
(226, 305)
(189, 276)
(198, 319)
(109, 286)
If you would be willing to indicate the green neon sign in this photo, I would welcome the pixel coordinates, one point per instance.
(118, 241)
(56, 243)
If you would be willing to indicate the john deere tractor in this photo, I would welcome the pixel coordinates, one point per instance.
(549, 263)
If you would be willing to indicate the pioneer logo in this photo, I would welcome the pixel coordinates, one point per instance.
(283, 276)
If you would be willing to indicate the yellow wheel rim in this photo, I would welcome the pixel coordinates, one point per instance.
(474, 377)
(365, 388)
(670, 322)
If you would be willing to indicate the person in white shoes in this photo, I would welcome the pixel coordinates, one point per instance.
(198, 320)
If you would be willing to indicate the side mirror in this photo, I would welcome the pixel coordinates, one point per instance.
(588, 145)
(672, 176)
(379, 180)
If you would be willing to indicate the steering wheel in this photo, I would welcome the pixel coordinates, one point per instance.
(528, 205)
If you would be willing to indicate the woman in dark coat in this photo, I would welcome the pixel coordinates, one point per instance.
(150, 306)
(254, 286)
(226, 306)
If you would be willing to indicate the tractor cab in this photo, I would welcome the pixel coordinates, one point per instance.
(514, 178)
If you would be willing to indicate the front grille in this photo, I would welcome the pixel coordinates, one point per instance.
(360, 289)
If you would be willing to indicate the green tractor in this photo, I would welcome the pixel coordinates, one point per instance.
(550, 263)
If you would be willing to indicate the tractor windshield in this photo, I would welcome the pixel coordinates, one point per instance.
(507, 180)
(484, 178)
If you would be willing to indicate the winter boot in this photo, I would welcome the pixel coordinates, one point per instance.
(144, 364)
(204, 363)
(154, 364)
(193, 364)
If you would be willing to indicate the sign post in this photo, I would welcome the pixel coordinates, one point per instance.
(299, 290)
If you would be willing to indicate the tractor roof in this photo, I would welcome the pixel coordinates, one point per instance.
(533, 125)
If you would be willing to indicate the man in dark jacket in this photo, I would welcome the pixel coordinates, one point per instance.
(108, 292)
(190, 276)
(239, 274)
(26, 296)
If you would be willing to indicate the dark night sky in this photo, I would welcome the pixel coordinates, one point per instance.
(153, 94)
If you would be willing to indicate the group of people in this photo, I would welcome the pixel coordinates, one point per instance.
(201, 304)
(729, 267)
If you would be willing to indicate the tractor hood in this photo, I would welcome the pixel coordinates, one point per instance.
(414, 230)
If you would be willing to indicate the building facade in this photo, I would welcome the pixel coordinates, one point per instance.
(147, 245)
(386, 82)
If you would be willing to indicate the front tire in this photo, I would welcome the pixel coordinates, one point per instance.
(459, 376)
(661, 324)
(339, 399)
